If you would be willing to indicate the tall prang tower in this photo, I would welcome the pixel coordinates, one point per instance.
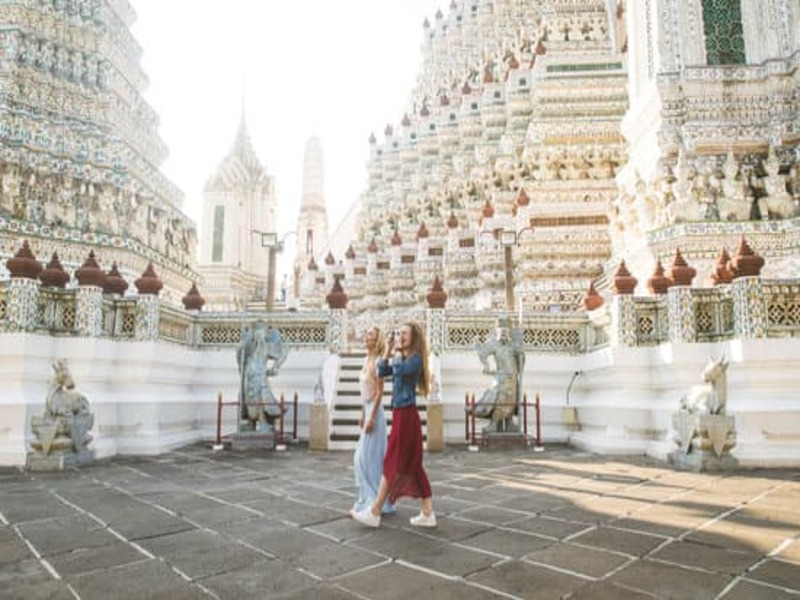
(312, 222)
(79, 148)
(239, 203)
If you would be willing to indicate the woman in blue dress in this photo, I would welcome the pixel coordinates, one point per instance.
(368, 458)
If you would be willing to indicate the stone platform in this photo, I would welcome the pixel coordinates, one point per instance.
(517, 524)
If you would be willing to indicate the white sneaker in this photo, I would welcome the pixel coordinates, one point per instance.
(423, 520)
(365, 517)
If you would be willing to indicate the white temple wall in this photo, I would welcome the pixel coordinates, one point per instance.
(147, 397)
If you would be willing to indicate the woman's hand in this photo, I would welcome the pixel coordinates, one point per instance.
(369, 426)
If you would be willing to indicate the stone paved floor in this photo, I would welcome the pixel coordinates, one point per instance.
(512, 524)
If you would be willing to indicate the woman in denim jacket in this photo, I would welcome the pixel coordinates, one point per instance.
(403, 473)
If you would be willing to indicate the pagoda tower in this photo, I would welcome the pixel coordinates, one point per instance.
(79, 148)
(312, 222)
(239, 204)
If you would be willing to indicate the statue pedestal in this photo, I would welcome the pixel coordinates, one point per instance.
(704, 441)
(504, 440)
(58, 461)
(254, 440)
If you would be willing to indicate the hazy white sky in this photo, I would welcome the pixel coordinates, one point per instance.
(338, 70)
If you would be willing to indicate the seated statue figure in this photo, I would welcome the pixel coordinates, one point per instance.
(500, 402)
(259, 357)
(64, 427)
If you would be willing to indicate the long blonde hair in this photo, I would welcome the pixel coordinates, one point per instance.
(377, 349)
(419, 345)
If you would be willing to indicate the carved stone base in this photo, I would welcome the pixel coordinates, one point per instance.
(58, 461)
(507, 426)
(704, 441)
(701, 460)
(254, 440)
(510, 440)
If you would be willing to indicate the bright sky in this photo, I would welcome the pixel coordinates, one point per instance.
(338, 70)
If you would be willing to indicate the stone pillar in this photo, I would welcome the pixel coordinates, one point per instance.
(337, 331)
(23, 293)
(749, 308)
(434, 416)
(89, 311)
(147, 318)
(623, 318)
(681, 316)
(318, 427)
(23, 304)
(147, 305)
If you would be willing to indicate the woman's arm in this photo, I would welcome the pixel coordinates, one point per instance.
(410, 366)
(376, 403)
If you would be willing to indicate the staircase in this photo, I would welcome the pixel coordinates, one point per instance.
(346, 409)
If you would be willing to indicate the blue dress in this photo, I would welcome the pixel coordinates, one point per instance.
(368, 457)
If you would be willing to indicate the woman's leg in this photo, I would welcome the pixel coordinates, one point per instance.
(383, 491)
(427, 505)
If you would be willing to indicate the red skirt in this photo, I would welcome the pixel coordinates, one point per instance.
(402, 464)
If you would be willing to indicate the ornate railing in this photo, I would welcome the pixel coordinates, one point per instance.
(748, 308)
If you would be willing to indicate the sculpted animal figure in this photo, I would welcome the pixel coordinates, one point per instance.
(711, 396)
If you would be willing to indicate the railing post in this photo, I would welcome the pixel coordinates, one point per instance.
(282, 406)
(466, 416)
(525, 418)
(294, 417)
(474, 442)
(537, 405)
(218, 444)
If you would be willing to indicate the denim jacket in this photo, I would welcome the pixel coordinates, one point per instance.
(405, 375)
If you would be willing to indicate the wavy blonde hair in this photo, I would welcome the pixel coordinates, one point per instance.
(419, 345)
(378, 349)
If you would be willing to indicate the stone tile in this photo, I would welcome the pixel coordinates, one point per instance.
(318, 592)
(669, 581)
(791, 552)
(746, 537)
(262, 579)
(549, 527)
(779, 573)
(426, 551)
(668, 521)
(394, 581)
(211, 517)
(451, 528)
(589, 562)
(286, 544)
(509, 544)
(329, 560)
(32, 506)
(201, 553)
(750, 590)
(50, 590)
(84, 560)
(491, 515)
(608, 591)
(180, 501)
(619, 540)
(23, 572)
(524, 580)
(12, 548)
(446, 505)
(137, 581)
(769, 519)
(535, 502)
(147, 523)
(295, 513)
(711, 558)
(53, 536)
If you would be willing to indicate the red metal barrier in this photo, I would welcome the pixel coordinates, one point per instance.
(466, 416)
(219, 418)
(281, 405)
(538, 443)
(294, 417)
(474, 441)
(525, 418)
